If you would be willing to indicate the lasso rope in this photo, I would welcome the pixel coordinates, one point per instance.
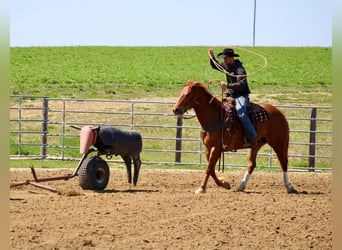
(223, 70)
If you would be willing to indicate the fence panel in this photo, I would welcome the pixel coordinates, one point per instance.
(40, 129)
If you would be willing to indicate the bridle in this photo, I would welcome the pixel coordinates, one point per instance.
(186, 108)
(194, 100)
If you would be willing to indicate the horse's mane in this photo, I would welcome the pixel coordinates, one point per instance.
(216, 102)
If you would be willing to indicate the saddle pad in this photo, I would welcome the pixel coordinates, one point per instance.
(259, 113)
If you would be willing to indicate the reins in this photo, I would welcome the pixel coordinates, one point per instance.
(189, 117)
(222, 137)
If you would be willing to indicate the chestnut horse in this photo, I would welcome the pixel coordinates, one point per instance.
(208, 109)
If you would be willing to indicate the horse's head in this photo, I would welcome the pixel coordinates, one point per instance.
(186, 99)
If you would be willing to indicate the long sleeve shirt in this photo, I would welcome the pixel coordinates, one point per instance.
(237, 85)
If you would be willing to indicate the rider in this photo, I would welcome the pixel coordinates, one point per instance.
(237, 88)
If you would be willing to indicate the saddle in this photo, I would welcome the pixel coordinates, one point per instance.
(231, 120)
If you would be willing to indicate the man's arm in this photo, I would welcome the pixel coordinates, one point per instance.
(241, 81)
(213, 61)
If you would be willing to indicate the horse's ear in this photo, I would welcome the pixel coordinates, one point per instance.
(189, 82)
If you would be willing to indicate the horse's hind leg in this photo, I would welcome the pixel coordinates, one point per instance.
(282, 155)
(284, 163)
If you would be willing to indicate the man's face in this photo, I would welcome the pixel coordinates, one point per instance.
(228, 60)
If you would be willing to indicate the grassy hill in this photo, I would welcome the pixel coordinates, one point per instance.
(293, 74)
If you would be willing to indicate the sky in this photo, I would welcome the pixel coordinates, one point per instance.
(170, 23)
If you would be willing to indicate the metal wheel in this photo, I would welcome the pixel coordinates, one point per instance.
(93, 173)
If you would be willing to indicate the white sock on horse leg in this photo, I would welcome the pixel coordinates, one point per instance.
(246, 177)
(286, 179)
(244, 182)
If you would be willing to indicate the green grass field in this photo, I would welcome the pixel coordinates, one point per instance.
(293, 74)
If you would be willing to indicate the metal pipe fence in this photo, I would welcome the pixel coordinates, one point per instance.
(40, 129)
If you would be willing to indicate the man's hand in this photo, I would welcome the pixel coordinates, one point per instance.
(211, 52)
(223, 85)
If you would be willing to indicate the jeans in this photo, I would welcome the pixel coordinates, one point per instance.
(241, 103)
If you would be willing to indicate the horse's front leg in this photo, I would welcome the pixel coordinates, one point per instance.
(212, 158)
(203, 187)
(211, 164)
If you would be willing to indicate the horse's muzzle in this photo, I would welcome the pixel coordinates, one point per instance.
(178, 111)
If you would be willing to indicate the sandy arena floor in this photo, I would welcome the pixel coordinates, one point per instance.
(163, 212)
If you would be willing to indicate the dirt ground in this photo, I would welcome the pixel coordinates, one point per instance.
(163, 212)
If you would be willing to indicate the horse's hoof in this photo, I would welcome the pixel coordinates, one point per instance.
(200, 191)
(291, 190)
(226, 185)
(241, 187)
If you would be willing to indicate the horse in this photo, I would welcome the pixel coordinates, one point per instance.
(216, 138)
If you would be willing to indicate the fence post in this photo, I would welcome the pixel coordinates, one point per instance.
(44, 126)
(312, 152)
(19, 125)
(178, 154)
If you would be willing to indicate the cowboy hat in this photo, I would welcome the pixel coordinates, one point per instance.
(227, 52)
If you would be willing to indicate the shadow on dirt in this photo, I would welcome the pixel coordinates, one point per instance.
(248, 192)
(310, 193)
(297, 193)
(111, 191)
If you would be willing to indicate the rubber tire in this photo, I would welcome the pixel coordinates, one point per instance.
(93, 173)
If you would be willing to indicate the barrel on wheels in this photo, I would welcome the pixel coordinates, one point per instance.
(94, 173)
